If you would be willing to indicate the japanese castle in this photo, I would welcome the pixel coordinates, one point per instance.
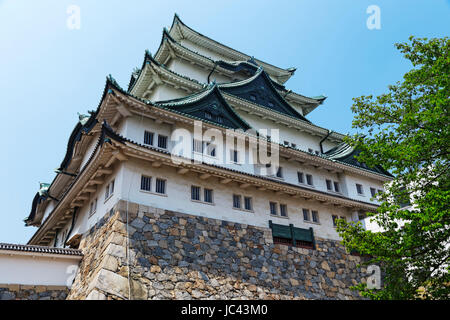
(191, 134)
(122, 150)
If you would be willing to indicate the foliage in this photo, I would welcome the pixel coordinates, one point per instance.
(407, 131)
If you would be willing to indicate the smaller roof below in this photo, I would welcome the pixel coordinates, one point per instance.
(40, 249)
(209, 105)
(260, 89)
(346, 153)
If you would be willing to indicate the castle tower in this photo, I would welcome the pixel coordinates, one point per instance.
(167, 190)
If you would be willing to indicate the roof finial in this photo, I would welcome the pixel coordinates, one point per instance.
(83, 118)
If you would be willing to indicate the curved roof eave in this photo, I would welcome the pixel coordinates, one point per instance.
(75, 136)
(284, 73)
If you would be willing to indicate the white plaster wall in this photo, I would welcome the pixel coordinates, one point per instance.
(350, 181)
(36, 270)
(303, 140)
(203, 51)
(165, 92)
(83, 222)
(178, 198)
(196, 72)
(135, 127)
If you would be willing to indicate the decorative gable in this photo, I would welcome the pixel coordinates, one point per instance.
(259, 89)
(208, 105)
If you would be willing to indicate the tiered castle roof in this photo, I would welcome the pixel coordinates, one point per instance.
(259, 88)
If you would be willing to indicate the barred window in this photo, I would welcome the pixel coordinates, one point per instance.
(273, 208)
(309, 179)
(234, 155)
(208, 195)
(283, 210)
(236, 201)
(109, 190)
(336, 187)
(148, 137)
(300, 177)
(315, 216)
(93, 207)
(195, 193)
(335, 218)
(197, 146)
(146, 183)
(211, 149)
(160, 186)
(306, 214)
(280, 172)
(162, 141)
(359, 188)
(248, 203)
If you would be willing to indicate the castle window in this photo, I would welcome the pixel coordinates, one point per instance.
(146, 183)
(283, 210)
(336, 186)
(315, 216)
(280, 172)
(208, 115)
(359, 189)
(373, 192)
(300, 177)
(148, 138)
(162, 141)
(219, 119)
(211, 149)
(248, 203)
(309, 179)
(197, 146)
(234, 156)
(273, 208)
(335, 218)
(329, 185)
(160, 186)
(208, 195)
(195, 193)
(109, 190)
(236, 201)
(306, 214)
(93, 207)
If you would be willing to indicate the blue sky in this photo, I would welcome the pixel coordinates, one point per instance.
(48, 72)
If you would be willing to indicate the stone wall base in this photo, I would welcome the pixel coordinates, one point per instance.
(29, 292)
(150, 253)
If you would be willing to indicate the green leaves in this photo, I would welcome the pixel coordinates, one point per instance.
(406, 130)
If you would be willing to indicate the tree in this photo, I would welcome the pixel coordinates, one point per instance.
(406, 130)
